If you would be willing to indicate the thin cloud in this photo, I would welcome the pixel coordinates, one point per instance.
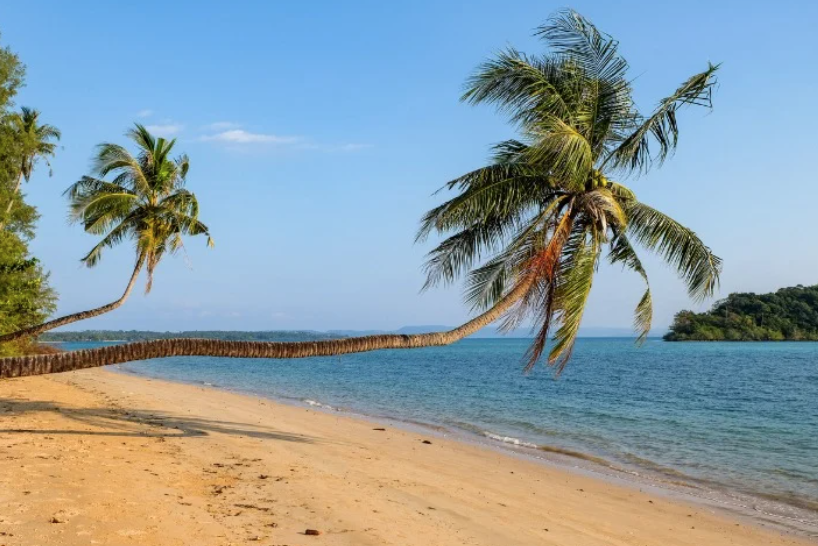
(168, 129)
(240, 136)
(231, 134)
(222, 126)
(146, 113)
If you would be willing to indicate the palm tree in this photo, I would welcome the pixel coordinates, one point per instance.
(541, 213)
(36, 142)
(146, 202)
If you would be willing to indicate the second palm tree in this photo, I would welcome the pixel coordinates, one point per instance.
(145, 202)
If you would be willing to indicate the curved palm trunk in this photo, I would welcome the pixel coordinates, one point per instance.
(68, 319)
(144, 350)
(11, 202)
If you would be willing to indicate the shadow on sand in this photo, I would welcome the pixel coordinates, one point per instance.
(134, 423)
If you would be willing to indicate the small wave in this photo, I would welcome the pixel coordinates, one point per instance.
(548, 449)
(422, 424)
(509, 440)
(315, 404)
(791, 499)
(576, 455)
(653, 466)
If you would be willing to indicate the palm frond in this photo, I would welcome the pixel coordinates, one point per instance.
(621, 251)
(519, 86)
(678, 245)
(545, 267)
(113, 158)
(576, 278)
(142, 137)
(459, 252)
(561, 150)
(662, 127)
(182, 201)
(114, 237)
(88, 186)
(99, 213)
(574, 37)
(494, 192)
(182, 166)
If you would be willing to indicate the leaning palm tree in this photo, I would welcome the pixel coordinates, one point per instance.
(529, 229)
(146, 202)
(36, 142)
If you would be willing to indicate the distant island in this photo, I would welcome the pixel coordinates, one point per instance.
(144, 335)
(789, 314)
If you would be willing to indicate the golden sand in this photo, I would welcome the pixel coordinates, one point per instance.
(95, 457)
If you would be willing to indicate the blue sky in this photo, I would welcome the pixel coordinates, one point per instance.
(318, 131)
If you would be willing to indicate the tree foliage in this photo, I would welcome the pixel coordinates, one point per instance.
(542, 213)
(787, 314)
(145, 201)
(25, 296)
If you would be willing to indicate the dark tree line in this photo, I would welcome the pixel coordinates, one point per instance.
(787, 314)
(145, 335)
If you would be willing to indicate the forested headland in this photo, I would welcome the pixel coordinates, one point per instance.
(787, 314)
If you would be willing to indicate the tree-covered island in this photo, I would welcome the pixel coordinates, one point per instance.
(787, 314)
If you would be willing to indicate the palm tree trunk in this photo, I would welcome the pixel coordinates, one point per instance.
(116, 354)
(11, 202)
(68, 319)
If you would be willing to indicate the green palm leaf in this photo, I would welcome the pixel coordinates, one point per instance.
(622, 252)
(575, 281)
(662, 127)
(575, 111)
(678, 245)
(145, 202)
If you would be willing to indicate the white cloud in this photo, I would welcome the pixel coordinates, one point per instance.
(167, 129)
(222, 126)
(144, 113)
(240, 136)
(231, 134)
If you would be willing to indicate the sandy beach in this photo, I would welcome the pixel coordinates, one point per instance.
(96, 457)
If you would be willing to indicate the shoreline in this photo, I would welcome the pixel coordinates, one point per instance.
(667, 482)
(205, 463)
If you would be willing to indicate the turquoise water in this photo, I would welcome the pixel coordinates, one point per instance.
(741, 417)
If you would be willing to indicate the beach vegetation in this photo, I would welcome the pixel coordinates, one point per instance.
(34, 142)
(145, 202)
(26, 298)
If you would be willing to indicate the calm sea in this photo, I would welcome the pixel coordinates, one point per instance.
(738, 418)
